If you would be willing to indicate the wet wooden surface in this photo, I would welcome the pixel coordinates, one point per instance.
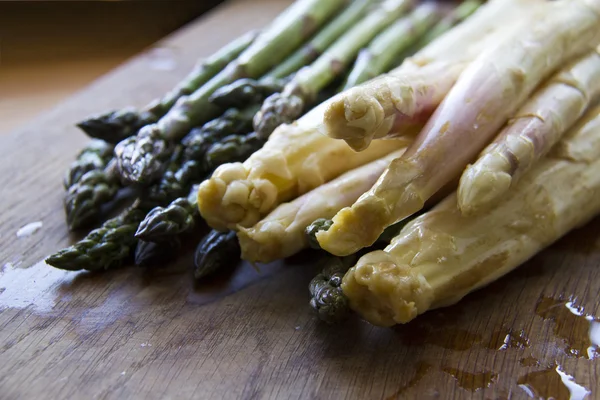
(153, 334)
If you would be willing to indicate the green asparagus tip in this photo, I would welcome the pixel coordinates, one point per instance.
(149, 254)
(243, 92)
(141, 159)
(276, 110)
(114, 126)
(216, 251)
(327, 299)
(321, 224)
(161, 222)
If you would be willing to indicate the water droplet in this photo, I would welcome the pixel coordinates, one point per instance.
(123, 373)
(297, 328)
(577, 391)
(472, 381)
(29, 229)
(529, 361)
(552, 383)
(571, 324)
(503, 339)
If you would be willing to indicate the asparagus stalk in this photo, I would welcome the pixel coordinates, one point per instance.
(141, 157)
(282, 233)
(458, 14)
(94, 156)
(535, 129)
(288, 105)
(244, 91)
(84, 201)
(396, 39)
(443, 255)
(118, 125)
(501, 79)
(216, 250)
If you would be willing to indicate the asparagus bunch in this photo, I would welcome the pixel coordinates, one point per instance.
(463, 124)
(443, 255)
(115, 126)
(288, 105)
(141, 157)
(111, 244)
(251, 91)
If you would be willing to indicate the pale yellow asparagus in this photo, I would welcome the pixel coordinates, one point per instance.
(443, 255)
(486, 95)
(295, 160)
(382, 107)
(281, 233)
(538, 126)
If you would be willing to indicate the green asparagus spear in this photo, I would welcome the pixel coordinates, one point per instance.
(215, 251)
(321, 224)
(141, 159)
(115, 126)
(83, 201)
(149, 254)
(94, 156)
(458, 14)
(245, 91)
(286, 106)
(163, 223)
(381, 52)
(327, 299)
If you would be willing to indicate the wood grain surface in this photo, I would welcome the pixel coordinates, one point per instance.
(153, 334)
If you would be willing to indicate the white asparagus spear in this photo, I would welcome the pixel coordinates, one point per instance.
(281, 233)
(538, 125)
(486, 95)
(441, 256)
(382, 107)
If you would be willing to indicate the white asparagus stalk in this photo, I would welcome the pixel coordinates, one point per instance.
(486, 95)
(281, 233)
(295, 160)
(441, 256)
(538, 126)
(382, 107)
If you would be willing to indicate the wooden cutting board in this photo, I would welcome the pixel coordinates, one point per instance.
(153, 334)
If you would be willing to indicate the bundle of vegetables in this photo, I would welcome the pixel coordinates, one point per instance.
(511, 90)
(166, 160)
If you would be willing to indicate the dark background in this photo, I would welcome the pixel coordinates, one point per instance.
(50, 49)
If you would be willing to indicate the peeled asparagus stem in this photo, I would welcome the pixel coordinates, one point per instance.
(296, 159)
(538, 125)
(486, 95)
(281, 233)
(442, 256)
